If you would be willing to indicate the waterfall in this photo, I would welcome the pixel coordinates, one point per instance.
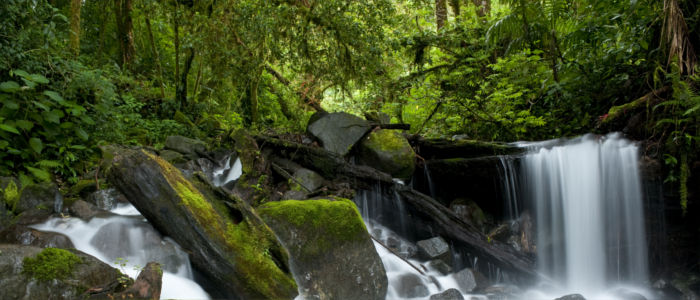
(587, 198)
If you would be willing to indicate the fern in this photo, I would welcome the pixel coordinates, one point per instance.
(49, 164)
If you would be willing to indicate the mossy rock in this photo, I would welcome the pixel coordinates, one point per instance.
(83, 187)
(44, 195)
(227, 240)
(332, 255)
(338, 132)
(34, 273)
(388, 151)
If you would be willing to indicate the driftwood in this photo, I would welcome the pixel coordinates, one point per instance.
(448, 223)
(447, 148)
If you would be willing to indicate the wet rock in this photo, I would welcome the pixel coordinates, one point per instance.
(84, 210)
(502, 291)
(306, 180)
(434, 248)
(411, 286)
(667, 290)
(393, 243)
(338, 132)
(501, 233)
(571, 297)
(227, 241)
(294, 195)
(172, 157)
(408, 250)
(106, 199)
(43, 195)
(203, 165)
(440, 266)
(331, 253)
(36, 215)
(470, 280)
(83, 188)
(22, 235)
(469, 211)
(388, 151)
(451, 294)
(527, 233)
(186, 146)
(64, 280)
(624, 294)
(147, 285)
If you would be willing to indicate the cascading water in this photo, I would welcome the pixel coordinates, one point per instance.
(589, 213)
(125, 238)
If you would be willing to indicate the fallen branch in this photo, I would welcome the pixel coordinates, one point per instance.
(616, 111)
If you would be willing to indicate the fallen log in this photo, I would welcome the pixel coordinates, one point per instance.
(447, 148)
(448, 223)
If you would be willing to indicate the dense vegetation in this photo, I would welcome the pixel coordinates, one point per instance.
(78, 74)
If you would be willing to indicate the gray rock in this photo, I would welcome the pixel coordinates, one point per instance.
(572, 297)
(393, 242)
(294, 195)
(84, 210)
(502, 292)
(186, 146)
(440, 266)
(43, 195)
(35, 215)
(470, 280)
(434, 248)
(338, 132)
(172, 157)
(147, 285)
(309, 180)
(106, 199)
(451, 294)
(22, 235)
(203, 165)
(331, 253)
(625, 294)
(411, 286)
(388, 151)
(89, 275)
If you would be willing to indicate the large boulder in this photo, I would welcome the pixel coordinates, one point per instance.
(450, 294)
(22, 235)
(470, 280)
(44, 195)
(186, 146)
(388, 151)
(34, 273)
(332, 255)
(434, 248)
(305, 180)
(226, 239)
(147, 285)
(410, 285)
(338, 132)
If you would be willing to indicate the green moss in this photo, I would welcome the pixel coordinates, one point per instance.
(51, 263)
(247, 245)
(11, 195)
(330, 222)
(390, 144)
(83, 186)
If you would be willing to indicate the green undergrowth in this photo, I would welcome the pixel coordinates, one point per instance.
(51, 263)
(323, 223)
(11, 195)
(248, 246)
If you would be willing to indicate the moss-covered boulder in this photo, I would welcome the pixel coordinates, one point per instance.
(33, 273)
(388, 151)
(332, 255)
(338, 132)
(44, 195)
(186, 146)
(226, 239)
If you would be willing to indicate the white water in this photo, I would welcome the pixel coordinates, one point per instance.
(589, 214)
(127, 238)
(228, 173)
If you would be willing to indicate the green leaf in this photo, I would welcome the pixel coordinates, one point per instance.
(38, 78)
(82, 134)
(49, 164)
(9, 128)
(87, 120)
(24, 124)
(53, 116)
(9, 104)
(9, 87)
(41, 105)
(55, 97)
(4, 144)
(36, 145)
(21, 73)
(78, 147)
(40, 174)
(14, 151)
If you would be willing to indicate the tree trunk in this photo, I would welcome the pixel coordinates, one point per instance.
(176, 28)
(75, 26)
(254, 98)
(125, 33)
(156, 57)
(181, 92)
(483, 7)
(456, 10)
(440, 13)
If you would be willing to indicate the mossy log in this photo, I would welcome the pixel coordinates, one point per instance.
(448, 223)
(446, 148)
(616, 112)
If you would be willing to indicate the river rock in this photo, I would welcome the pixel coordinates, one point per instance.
(469, 211)
(65, 279)
(434, 248)
(332, 254)
(186, 146)
(470, 280)
(106, 199)
(338, 132)
(450, 294)
(625, 294)
(172, 157)
(147, 285)
(388, 151)
(22, 235)
(227, 241)
(306, 180)
(42, 195)
(502, 291)
(84, 210)
(440, 266)
(572, 297)
(35, 215)
(411, 286)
